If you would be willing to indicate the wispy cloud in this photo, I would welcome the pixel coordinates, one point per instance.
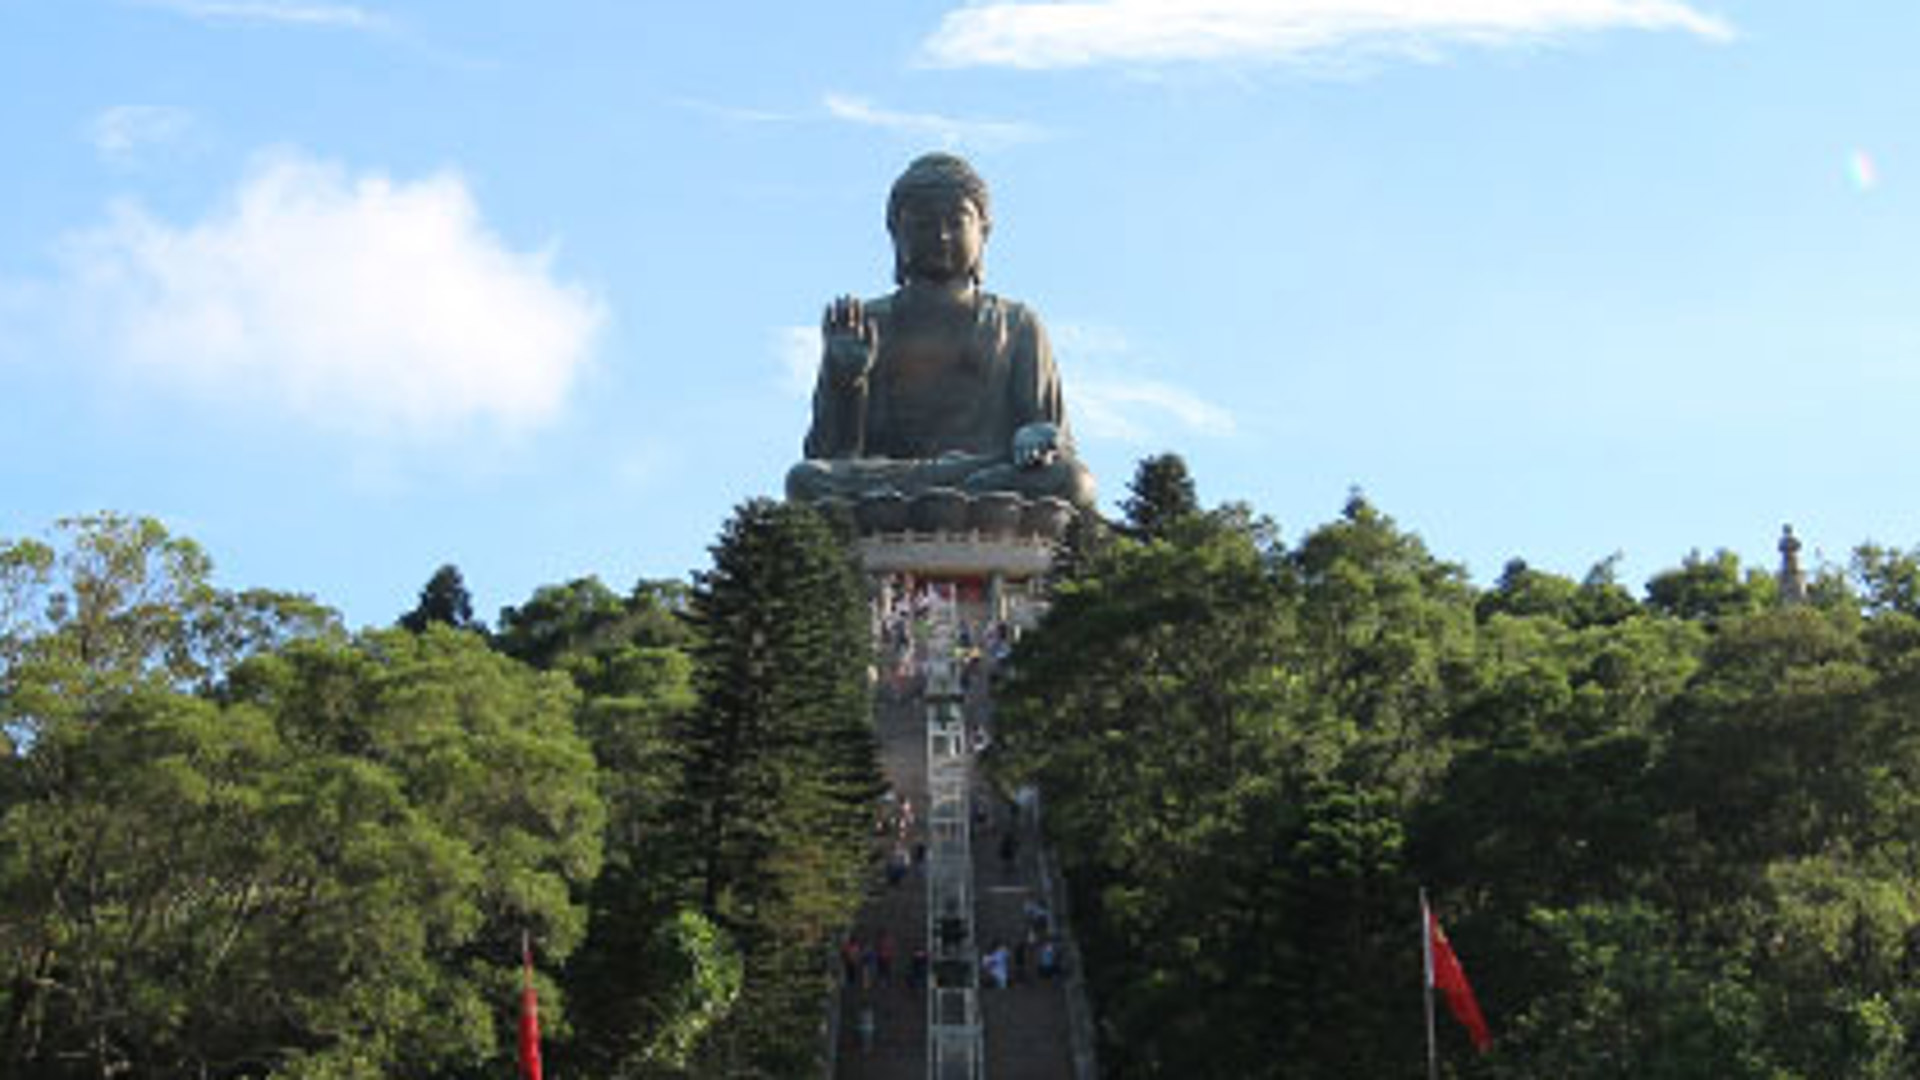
(357, 303)
(797, 350)
(1039, 34)
(739, 114)
(1092, 340)
(951, 132)
(1111, 398)
(122, 132)
(948, 131)
(345, 16)
(1136, 410)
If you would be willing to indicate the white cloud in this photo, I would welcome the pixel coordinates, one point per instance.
(1107, 397)
(1089, 339)
(351, 302)
(346, 16)
(948, 131)
(951, 132)
(1039, 34)
(1136, 410)
(121, 132)
(797, 348)
(738, 114)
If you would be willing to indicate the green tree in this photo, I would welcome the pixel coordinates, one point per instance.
(110, 603)
(654, 974)
(1522, 590)
(561, 621)
(1145, 710)
(1765, 906)
(1160, 493)
(561, 626)
(1709, 589)
(779, 768)
(1228, 735)
(321, 873)
(1388, 646)
(443, 600)
(1770, 753)
(1602, 600)
(1672, 839)
(1889, 577)
(1636, 1000)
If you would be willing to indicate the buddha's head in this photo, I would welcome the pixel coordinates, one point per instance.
(938, 216)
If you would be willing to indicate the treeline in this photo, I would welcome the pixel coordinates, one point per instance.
(239, 841)
(1673, 835)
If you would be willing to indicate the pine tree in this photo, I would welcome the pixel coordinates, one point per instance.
(443, 599)
(780, 767)
(1160, 494)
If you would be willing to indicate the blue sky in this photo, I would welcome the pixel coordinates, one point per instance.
(346, 289)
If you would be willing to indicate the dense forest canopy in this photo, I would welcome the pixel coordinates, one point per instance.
(1670, 831)
(238, 841)
(1672, 836)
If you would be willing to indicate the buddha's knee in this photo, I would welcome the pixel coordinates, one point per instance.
(809, 481)
(1076, 483)
(1062, 478)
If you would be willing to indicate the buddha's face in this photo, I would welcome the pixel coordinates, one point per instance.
(938, 236)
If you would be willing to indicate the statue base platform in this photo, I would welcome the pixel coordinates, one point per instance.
(991, 577)
(955, 555)
(993, 518)
(990, 551)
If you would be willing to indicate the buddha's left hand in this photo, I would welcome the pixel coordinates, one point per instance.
(1035, 445)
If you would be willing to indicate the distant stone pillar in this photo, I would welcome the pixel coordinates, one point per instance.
(1793, 582)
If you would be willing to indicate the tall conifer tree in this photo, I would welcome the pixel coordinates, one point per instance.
(1161, 493)
(780, 768)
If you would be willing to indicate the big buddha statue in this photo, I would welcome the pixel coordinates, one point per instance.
(940, 384)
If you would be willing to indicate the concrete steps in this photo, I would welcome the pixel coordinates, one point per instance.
(899, 1048)
(1026, 1023)
(1026, 1026)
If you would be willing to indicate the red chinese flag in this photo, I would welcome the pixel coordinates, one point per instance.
(1445, 975)
(529, 1019)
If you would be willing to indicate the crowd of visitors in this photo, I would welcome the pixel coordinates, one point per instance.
(918, 624)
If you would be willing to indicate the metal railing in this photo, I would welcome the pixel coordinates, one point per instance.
(955, 1049)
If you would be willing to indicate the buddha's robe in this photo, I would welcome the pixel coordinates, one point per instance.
(929, 415)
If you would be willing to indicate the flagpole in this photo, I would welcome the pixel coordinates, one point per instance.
(1426, 964)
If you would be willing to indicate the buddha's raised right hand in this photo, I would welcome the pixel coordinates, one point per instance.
(850, 338)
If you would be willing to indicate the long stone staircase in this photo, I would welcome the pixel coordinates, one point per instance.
(899, 1042)
(969, 895)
